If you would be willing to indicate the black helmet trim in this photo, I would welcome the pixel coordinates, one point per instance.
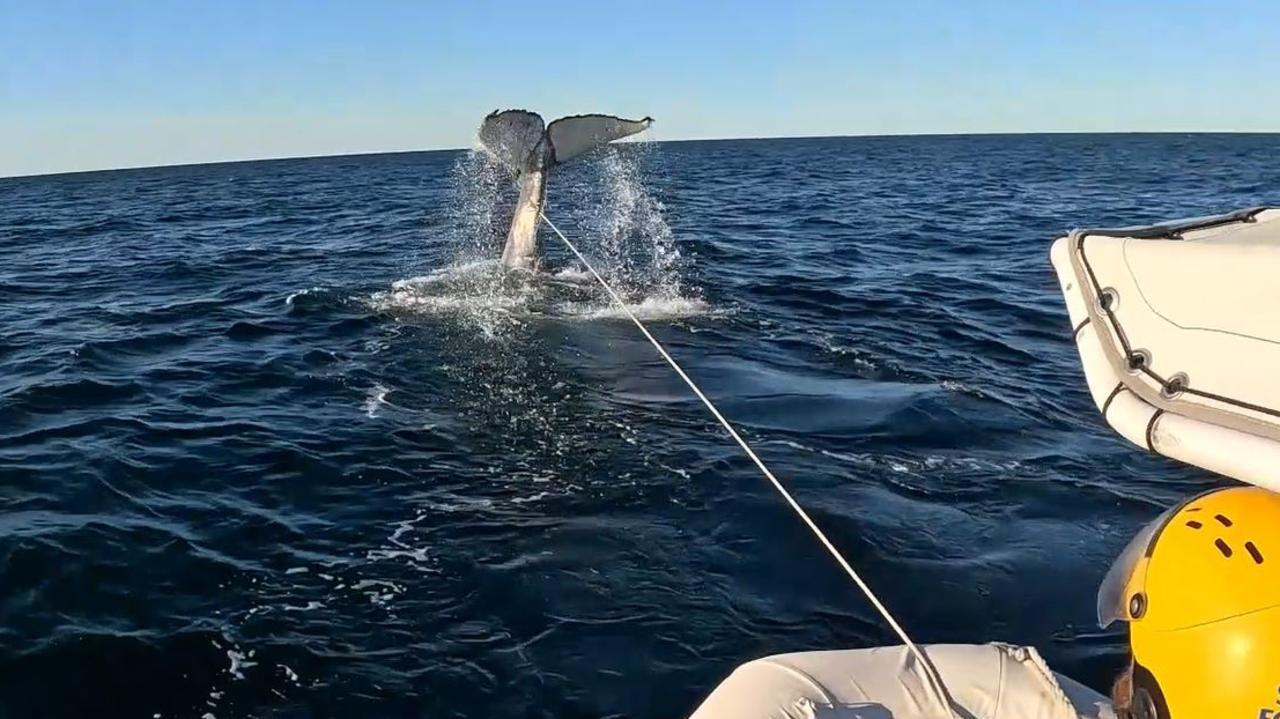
(1148, 700)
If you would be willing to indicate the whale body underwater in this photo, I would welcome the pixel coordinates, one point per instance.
(530, 148)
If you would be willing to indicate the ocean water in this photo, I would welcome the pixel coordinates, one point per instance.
(277, 439)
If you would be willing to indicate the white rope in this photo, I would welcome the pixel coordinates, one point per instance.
(931, 672)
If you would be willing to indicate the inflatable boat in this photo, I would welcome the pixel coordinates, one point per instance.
(1176, 325)
(1177, 329)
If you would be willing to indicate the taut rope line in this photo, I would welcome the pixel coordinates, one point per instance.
(931, 672)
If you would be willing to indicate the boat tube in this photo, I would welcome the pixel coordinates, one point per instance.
(1176, 325)
(987, 681)
(1178, 334)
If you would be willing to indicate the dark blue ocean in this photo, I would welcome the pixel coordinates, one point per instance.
(278, 439)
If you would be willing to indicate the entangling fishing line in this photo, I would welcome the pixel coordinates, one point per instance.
(931, 672)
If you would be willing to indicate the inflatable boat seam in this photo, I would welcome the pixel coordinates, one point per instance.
(1137, 285)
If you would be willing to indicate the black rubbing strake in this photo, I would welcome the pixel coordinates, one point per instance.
(1253, 552)
(1107, 404)
(1151, 428)
(1222, 547)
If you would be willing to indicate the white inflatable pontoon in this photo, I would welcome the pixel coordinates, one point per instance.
(986, 681)
(1178, 328)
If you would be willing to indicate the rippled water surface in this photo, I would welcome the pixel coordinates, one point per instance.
(278, 439)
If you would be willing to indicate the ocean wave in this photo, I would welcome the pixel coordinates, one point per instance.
(61, 396)
(289, 301)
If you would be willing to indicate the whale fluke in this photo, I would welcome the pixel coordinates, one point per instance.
(577, 135)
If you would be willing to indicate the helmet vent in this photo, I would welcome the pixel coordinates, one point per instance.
(1253, 552)
(1222, 547)
(1222, 520)
(1194, 524)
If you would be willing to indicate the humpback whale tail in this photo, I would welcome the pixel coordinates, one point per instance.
(529, 148)
(512, 137)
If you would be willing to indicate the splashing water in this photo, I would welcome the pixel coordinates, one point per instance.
(618, 223)
(636, 247)
(480, 206)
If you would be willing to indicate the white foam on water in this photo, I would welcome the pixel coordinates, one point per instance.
(417, 556)
(494, 311)
(573, 274)
(682, 473)
(530, 498)
(402, 528)
(957, 387)
(383, 590)
(450, 273)
(834, 346)
(416, 301)
(366, 583)
(479, 293)
(239, 662)
(301, 293)
(374, 400)
(648, 308)
(398, 548)
(450, 503)
(914, 465)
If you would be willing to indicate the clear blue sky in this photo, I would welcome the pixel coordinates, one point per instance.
(121, 83)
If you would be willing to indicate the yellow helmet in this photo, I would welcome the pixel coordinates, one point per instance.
(1200, 589)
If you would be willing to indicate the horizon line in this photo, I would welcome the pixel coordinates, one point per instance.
(370, 153)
